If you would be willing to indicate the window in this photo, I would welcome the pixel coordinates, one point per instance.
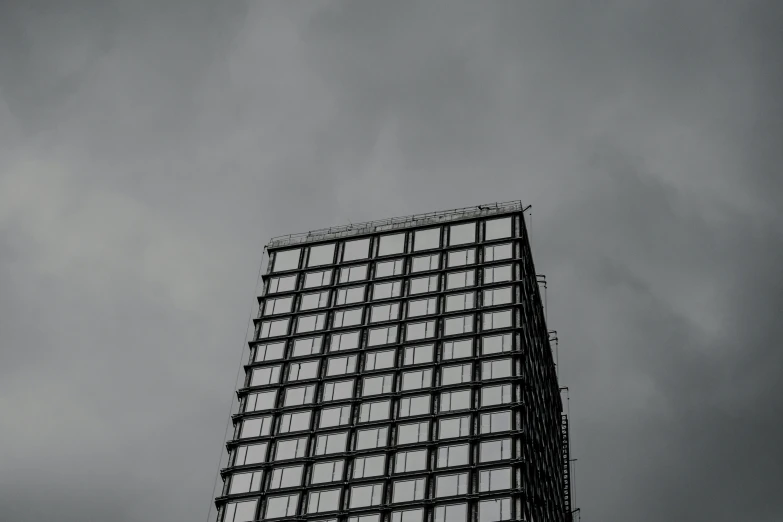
(409, 490)
(451, 513)
(350, 317)
(364, 496)
(371, 438)
(408, 515)
(281, 305)
(454, 400)
(298, 371)
(460, 279)
(321, 255)
(314, 300)
(418, 354)
(283, 506)
(386, 290)
(496, 369)
(494, 510)
(278, 285)
(288, 477)
(421, 285)
(329, 471)
(494, 479)
(265, 375)
(422, 330)
(494, 320)
(255, 427)
(416, 379)
(340, 365)
(338, 416)
(454, 427)
(310, 323)
(328, 443)
(250, 454)
(495, 422)
(350, 295)
(349, 274)
(492, 450)
(450, 485)
(273, 328)
(496, 344)
(240, 511)
(344, 341)
(269, 352)
(462, 234)
(457, 302)
(377, 384)
(291, 448)
(426, 239)
(379, 360)
(462, 257)
(316, 279)
(298, 421)
(307, 346)
(492, 395)
(323, 500)
(497, 228)
(498, 296)
(260, 401)
(457, 349)
(388, 268)
(383, 335)
(455, 374)
(392, 244)
(456, 455)
(245, 482)
(415, 460)
(373, 466)
(421, 307)
(498, 252)
(424, 263)
(458, 325)
(414, 405)
(354, 250)
(287, 260)
(374, 411)
(364, 518)
(299, 395)
(497, 274)
(412, 433)
(338, 390)
(385, 312)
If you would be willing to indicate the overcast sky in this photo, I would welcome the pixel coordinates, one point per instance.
(148, 150)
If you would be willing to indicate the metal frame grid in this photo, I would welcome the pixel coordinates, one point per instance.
(285, 381)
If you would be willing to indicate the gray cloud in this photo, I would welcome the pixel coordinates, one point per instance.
(147, 152)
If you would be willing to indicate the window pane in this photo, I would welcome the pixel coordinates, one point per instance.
(298, 371)
(350, 295)
(260, 401)
(414, 405)
(425, 263)
(497, 252)
(408, 490)
(392, 244)
(278, 285)
(251, 454)
(457, 302)
(450, 485)
(497, 228)
(287, 259)
(458, 325)
(350, 317)
(451, 513)
(385, 312)
(497, 369)
(495, 320)
(421, 307)
(377, 385)
(316, 279)
(418, 354)
(374, 411)
(494, 479)
(498, 274)
(495, 422)
(281, 305)
(368, 495)
(456, 374)
(273, 328)
(310, 323)
(297, 421)
(338, 390)
(421, 285)
(494, 510)
(321, 255)
(330, 471)
(240, 511)
(286, 477)
(496, 344)
(406, 461)
(454, 400)
(462, 234)
(388, 268)
(299, 395)
(265, 375)
(245, 482)
(426, 239)
(462, 257)
(283, 506)
(255, 427)
(373, 466)
(492, 395)
(460, 279)
(454, 427)
(416, 379)
(385, 335)
(340, 365)
(269, 352)
(412, 433)
(344, 341)
(358, 249)
(498, 296)
(349, 274)
(493, 450)
(314, 300)
(457, 349)
(323, 500)
(421, 330)
(457, 455)
(379, 360)
(338, 416)
(408, 515)
(291, 448)
(307, 346)
(386, 290)
(329, 443)
(371, 438)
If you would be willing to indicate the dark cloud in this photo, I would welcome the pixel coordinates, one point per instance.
(148, 150)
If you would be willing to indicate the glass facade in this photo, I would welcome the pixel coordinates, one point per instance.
(399, 376)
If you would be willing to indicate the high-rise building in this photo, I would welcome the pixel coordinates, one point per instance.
(400, 371)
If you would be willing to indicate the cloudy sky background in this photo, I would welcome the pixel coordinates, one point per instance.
(149, 149)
